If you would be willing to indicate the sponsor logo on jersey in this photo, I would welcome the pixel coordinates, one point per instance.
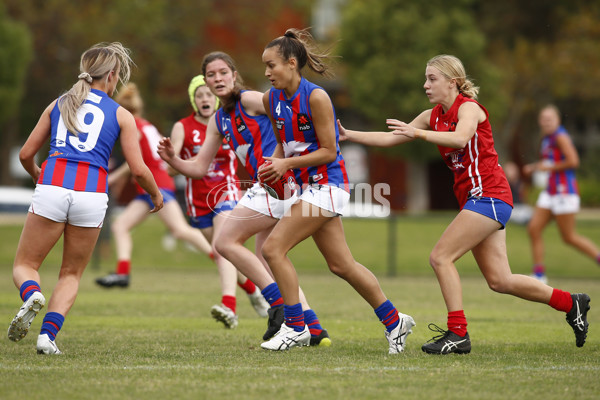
(239, 123)
(304, 123)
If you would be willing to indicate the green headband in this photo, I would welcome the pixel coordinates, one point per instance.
(196, 82)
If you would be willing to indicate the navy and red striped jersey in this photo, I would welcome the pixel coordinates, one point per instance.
(80, 162)
(559, 182)
(293, 118)
(251, 137)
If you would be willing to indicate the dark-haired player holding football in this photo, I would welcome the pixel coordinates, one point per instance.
(304, 119)
(243, 122)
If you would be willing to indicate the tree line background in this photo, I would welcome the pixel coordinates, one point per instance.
(522, 54)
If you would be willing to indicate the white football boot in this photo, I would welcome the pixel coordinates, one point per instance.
(397, 337)
(22, 321)
(287, 338)
(46, 346)
(225, 315)
(259, 303)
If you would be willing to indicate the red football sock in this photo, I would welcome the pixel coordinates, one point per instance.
(123, 267)
(229, 302)
(248, 286)
(457, 322)
(561, 300)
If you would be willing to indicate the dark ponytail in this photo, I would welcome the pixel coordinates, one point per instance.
(299, 44)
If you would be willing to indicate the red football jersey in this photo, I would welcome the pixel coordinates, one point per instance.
(220, 183)
(149, 138)
(476, 168)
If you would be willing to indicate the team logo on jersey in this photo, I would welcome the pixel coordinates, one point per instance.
(456, 158)
(452, 126)
(56, 153)
(304, 123)
(239, 123)
(280, 124)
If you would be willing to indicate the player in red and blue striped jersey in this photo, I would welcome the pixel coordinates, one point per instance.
(560, 199)
(249, 135)
(303, 116)
(209, 200)
(243, 122)
(70, 198)
(293, 119)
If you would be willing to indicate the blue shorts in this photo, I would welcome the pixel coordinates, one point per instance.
(491, 208)
(206, 220)
(168, 195)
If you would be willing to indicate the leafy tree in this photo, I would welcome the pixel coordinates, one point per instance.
(168, 39)
(386, 45)
(548, 52)
(15, 55)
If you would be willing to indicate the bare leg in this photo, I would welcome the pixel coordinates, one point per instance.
(172, 216)
(465, 232)
(78, 248)
(134, 214)
(291, 230)
(492, 259)
(243, 223)
(566, 225)
(541, 217)
(331, 241)
(259, 241)
(37, 239)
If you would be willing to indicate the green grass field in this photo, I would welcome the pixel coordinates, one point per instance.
(156, 340)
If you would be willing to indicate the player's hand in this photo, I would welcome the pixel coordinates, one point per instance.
(165, 149)
(342, 130)
(158, 202)
(272, 169)
(400, 128)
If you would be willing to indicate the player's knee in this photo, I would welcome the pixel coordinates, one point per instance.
(338, 270)
(499, 285)
(570, 239)
(533, 231)
(270, 251)
(221, 247)
(435, 260)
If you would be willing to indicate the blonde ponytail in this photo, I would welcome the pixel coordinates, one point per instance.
(96, 64)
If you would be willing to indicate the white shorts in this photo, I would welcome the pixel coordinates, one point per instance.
(84, 209)
(257, 199)
(559, 203)
(330, 198)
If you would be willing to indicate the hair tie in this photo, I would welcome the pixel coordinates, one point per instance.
(86, 76)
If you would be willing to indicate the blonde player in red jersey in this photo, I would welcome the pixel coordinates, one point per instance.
(209, 200)
(460, 127)
(137, 210)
